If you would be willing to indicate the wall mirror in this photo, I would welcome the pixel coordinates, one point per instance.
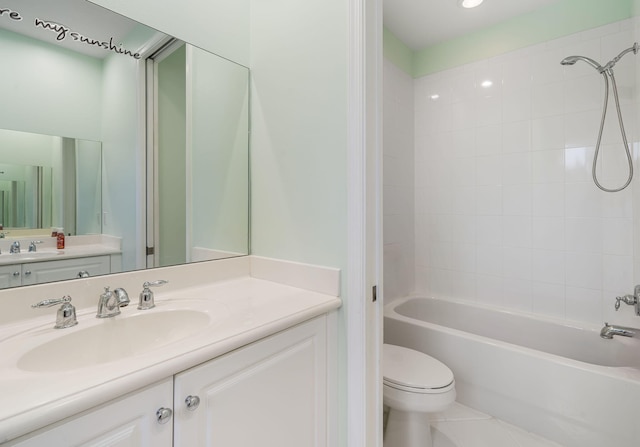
(46, 179)
(152, 133)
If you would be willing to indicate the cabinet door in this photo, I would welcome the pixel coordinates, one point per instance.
(130, 421)
(48, 271)
(272, 393)
(10, 276)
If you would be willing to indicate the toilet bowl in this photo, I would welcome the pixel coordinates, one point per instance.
(413, 384)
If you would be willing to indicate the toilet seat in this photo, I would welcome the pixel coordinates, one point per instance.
(412, 371)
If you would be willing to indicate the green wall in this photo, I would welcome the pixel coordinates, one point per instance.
(547, 23)
(172, 136)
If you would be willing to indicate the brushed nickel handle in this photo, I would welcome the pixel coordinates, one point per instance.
(192, 402)
(16, 273)
(163, 415)
(27, 273)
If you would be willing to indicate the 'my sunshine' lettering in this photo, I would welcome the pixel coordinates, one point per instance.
(62, 32)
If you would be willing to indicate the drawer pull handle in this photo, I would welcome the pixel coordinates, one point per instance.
(16, 273)
(163, 415)
(192, 402)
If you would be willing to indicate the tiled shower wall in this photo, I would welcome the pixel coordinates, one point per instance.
(505, 209)
(398, 182)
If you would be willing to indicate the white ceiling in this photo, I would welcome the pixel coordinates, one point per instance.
(421, 23)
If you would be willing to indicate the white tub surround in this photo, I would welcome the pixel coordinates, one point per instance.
(75, 247)
(558, 380)
(241, 308)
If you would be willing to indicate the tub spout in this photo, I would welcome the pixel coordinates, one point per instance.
(608, 331)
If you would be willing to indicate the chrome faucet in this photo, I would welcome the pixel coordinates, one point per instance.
(146, 296)
(15, 247)
(608, 331)
(66, 316)
(32, 246)
(110, 302)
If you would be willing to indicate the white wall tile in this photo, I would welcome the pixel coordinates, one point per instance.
(583, 200)
(583, 304)
(489, 260)
(505, 211)
(548, 166)
(517, 200)
(488, 140)
(548, 199)
(617, 274)
(489, 170)
(548, 266)
(517, 263)
(618, 237)
(517, 105)
(517, 231)
(516, 168)
(489, 230)
(516, 136)
(548, 299)
(548, 233)
(583, 235)
(578, 163)
(489, 290)
(584, 270)
(518, 294)
(547, 100)
(547, 133)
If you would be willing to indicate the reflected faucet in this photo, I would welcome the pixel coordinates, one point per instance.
(15, 247)
(608, 331)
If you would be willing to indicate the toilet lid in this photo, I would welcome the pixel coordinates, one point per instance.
(413, 369)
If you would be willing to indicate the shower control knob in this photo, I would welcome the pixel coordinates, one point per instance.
(163, 415)
(192, 402)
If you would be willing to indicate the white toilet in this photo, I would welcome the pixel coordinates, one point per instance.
(414, 384)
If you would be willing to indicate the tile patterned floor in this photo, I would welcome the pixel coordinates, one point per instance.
(461, 426)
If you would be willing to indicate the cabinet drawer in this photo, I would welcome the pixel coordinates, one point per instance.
(48, 271)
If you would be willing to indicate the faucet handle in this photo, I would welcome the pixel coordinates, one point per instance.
(66, 316)
(157, 283)
(627, 299)
(52, 302)
(146, 296)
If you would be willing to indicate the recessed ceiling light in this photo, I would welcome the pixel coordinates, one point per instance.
(486, 84)
(469, 3)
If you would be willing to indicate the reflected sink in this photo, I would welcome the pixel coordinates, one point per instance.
(113, 339)
(27, 255)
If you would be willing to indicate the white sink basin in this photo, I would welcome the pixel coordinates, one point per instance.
(28, 255)
(113, 339)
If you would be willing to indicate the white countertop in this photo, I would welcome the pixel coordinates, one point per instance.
(75, 247)
(243, 309)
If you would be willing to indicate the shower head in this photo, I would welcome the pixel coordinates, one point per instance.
(573, 59)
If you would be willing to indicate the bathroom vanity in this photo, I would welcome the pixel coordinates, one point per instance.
(238, 359)
(82, 256)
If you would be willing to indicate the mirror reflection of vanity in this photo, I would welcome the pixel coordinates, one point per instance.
(146, 139)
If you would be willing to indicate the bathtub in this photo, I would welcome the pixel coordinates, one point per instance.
(560, 381)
